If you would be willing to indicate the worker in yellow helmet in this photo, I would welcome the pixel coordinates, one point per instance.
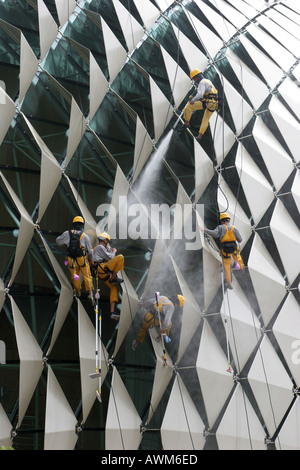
(205, 97)
(80, 255)
(229, 235)
(166, 308)
(108, 264)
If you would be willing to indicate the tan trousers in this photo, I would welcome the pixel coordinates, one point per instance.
(77, 266)
(114, 265)
(198, 105)
(226, 257)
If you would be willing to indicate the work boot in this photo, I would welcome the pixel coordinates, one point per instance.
(115, 316)
(134, 344)
(183, 127)
(116, 280)
(228, 285)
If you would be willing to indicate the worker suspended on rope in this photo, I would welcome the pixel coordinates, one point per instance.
(206, 97)
(229, 235)
(166, 307)
(107, 265)
(80, 255)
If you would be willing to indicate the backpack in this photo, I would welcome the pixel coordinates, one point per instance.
(74, 249)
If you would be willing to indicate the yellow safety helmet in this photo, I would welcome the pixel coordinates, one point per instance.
(104, 236)
(224, 215)
(194, 73)
(78, 219)
(181, 300)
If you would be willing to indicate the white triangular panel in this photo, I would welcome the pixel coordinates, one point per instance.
(122, 431)
(179, 82)
(255, 89)
(223, 137)
(258, 192)
(240, 428)
(269, 70)
(287, 332)
(162, 109)
(98, 86)
(289, 90)
(278, 162)
(132, 30)
(149, 15)
(212, 267)
(191, 315)
(89, 221)
(64, 9)
(289, 435)
(296, 189)
(267, 281)
(115, 52)
(118, 205)
(50, 172)
(242, 325)
(28, 67)
(190, 51)
(270, 384)
(65, 296)
(215, 382)
(204, 170)
(224, 27)
(287, 238)
(60, 420)
(76, 130)
(130, 302)
(182, 427)
(157, 256)
(47, 28)
(26, 230)
(279, 54)
(210, 41)
(5, 428)
(31, 360)
(231, 14)
(87, 345)
(288, 125)
(6, 116)
(142, 149)
(163, 373)
(286, 18)
(287, 40)
(240, 110)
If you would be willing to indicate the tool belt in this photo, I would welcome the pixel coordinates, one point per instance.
(104, 269)
(229, 247)
(210, 96)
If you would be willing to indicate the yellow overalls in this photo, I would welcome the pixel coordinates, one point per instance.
(230, 249)
(77, 266)
(211, 104)
(105, 269)
(151, 319)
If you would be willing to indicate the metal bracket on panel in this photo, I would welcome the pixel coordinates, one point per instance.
(207, 433)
